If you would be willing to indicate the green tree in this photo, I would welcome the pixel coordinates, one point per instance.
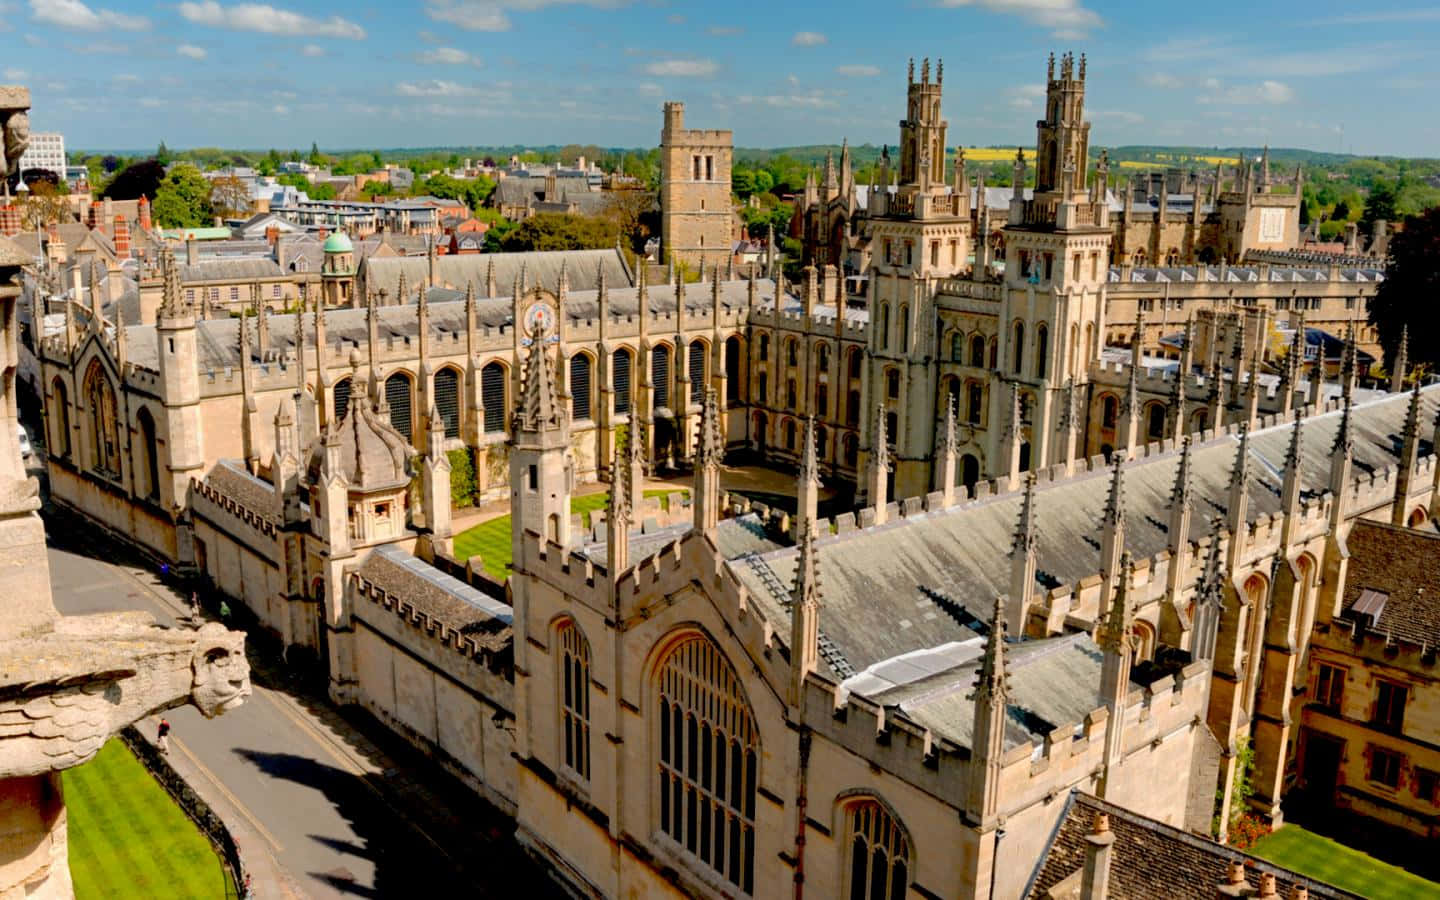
(378, 161)
(1380, 204)
(764, 182)
(139, 179)
(742, 182)
(1412, 273)
(560, 231)
(183, 198)
(162, 154)
(315, 158)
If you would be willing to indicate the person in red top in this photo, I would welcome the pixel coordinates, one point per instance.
(162, 739)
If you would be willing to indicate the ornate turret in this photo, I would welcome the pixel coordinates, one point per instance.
(807, 487)
(1409, 451)
(987, 746)
(804, 616)
(540, 470)
(709, 452)
(1022, 562)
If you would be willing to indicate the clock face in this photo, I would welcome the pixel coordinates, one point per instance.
(539, 319)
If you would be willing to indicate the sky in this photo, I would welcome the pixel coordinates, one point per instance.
(126, 74)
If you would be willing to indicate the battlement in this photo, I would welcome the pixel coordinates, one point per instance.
(213, 501)
(431, 626)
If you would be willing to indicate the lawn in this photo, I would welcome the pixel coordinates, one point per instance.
(1325, 860)
(491, 540)
(128, 838)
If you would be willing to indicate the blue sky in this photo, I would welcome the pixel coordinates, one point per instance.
(128, 73)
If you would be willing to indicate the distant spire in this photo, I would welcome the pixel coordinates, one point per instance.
(712, 445)
(1115, 501)
(1024, 539)
(1240, 471)
(809, 466)
(993, 683)
(807, 572)
(1115, 630)
(1180, 492)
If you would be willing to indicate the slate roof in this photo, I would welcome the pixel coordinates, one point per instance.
(229, 269)
(1400, 563)
(383, 273)
(953, 562)
(218, 339)
(232, 479)
(1321, 273)
(1150, 859)
(734, 537)
(439, 596)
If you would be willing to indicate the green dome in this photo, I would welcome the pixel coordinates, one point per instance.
(338, 243)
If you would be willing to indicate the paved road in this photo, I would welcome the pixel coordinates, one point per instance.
(342, 809)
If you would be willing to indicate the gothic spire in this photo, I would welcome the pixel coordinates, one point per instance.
(1180, 492)
(1344, 435)
(949, 441)
(881, 453)
(540, 407)
(170, 299)
(712, 445)
(1240, 471)
(809, 466)
(993, 683)
(1116, 627)
(1115, 501)
(807, 573)
(1024, 540)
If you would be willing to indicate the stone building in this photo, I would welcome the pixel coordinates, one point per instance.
(696, 219)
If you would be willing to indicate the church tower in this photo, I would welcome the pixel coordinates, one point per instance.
(919, 235)
(539, 468)
(1057, 249)
(180, 385)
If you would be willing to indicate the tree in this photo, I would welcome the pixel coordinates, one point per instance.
(1381, 203)
(162, 154)
(46, 205)
(1412, 275)
(561, 231)
(742, 182)
(315, 158)
(139, 179)
(763, 182)
(630, 212)
(183, 199)
(230, 197)
(109, 163)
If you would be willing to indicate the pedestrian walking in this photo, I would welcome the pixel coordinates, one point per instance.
(224, 611)
(162, 736)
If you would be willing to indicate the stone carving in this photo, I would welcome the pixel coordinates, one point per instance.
(67, 684)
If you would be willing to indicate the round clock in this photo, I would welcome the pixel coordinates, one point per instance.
(539, 319)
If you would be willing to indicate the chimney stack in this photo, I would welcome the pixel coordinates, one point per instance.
(120, 234)
(9, 220)
(192, 251)
(144, 214)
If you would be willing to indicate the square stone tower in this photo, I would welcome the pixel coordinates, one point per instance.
(695, 214)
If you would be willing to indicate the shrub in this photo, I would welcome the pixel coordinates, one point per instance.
(462, 478)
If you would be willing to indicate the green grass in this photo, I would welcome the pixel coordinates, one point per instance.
(491, 540)
(128, 838)
(1325, 860)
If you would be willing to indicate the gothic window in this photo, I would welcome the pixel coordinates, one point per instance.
(492, 395)
(856, 361)
(764, 347)
(59, 412)
(994, 353)
(977, 351)
(147, 467)
(957, 347)
(969, 471)
(707, 760)
(621, 375)
(341, 395)
(1075, 267)
(574, 684)
(820, 437)
(789, 434)
(790, 393)
(822, 358)
(892, 384)
(883, 335)
(791, 353)
(934, 253)
(660, 375)
(879, 857)
(822, 399)
(397, 396)
(1155, 422)
(732, 369)
(852, 409)
(1109, 411)
(975, 402)
(1042, 350)
(904, 329)
(851, 449)
(579, 387)
(1017, 348)
(892, 427)
(447, 400)
(104, 429)
(696, 363)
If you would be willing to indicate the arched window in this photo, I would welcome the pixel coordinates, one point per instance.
(1072, 349)
(857, 360)
(447, 400)
(147, 467)
(892, 427)
(59, 413)
(397, 397)
(579, 386)
(341, 398)
(995, 353)
(1017, 347)
(1042, 350)
(822, 358)
(762, 388)
(977, 351)
(792, 353)
(1155, 422)
(707, 760)
(892, 383)
(660, 375)
(1109, 411)
(822, 399)
(104, 427)
(852, 409)
(492, 394)
(883, 336)
(764, 347)
(904, 328)
(975, 403)
(879, 864)
(573, 680)
(732, 371)
(789, 434)
(820, 439)
(1090, 348)
(695, 360)
(790, 393)
(851, 448)
(969, 471)
(620, 377)
(957, 347)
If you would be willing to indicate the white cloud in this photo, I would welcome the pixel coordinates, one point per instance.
(1161, 80)
(267, 19)
(1025, 96)
(1123, 116)
(312, 50)
(649, 89)
(100, 47)
(1263, 93)
(808, 39)
(471, 15)
(814, 100)
(74, 14)
(724, 30)
(447, 56)
(191, 51)
(683, 68)
(434, 88)
(858, 71)
(125, 78)
(280, 109)
(1067, 19)
(14, 74)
